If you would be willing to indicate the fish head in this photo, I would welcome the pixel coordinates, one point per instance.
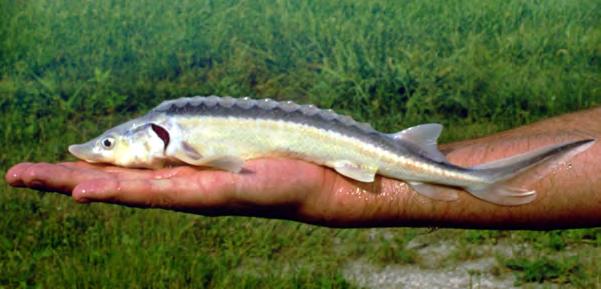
(132, 144)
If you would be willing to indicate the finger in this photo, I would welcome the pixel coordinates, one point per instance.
(102, 167)
(81, 164)
(14, 175)
(125, 173)
(58, 178)
(164, 173)
(211, 190)
(133, 173)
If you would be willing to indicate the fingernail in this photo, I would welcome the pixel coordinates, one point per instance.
(82, 195)
(11, 176)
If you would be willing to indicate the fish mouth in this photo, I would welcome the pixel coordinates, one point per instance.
(82, 151)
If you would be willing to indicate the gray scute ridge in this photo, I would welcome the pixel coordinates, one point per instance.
(254, 108)
(276, 110)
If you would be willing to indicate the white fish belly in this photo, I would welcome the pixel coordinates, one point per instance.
(255, 138)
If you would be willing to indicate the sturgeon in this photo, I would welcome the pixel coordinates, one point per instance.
(223, 132)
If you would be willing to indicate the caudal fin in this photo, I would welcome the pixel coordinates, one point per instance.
(504, 189)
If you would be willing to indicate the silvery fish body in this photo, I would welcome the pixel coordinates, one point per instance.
(223, 132)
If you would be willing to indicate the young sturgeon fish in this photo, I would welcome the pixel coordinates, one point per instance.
(222, 132)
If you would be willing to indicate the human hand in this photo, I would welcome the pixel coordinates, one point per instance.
(302, 191)
(280, 188)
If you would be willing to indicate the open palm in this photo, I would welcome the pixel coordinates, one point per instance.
(281, 188)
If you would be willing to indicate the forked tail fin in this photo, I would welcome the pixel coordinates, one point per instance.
(508, 176)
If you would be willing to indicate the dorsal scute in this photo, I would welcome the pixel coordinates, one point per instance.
(246, 103)
(267, 104)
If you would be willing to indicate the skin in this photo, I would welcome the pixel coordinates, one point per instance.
(568, 196)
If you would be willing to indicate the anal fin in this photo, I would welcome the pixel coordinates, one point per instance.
(441, 193)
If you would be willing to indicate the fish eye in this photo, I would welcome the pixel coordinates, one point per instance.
(108, 142)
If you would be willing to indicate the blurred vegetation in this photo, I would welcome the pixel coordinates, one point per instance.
(70, 69)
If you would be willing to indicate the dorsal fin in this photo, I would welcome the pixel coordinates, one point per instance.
(425, 137)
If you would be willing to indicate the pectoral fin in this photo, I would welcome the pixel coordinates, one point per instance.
(187, 154)
(356, 172)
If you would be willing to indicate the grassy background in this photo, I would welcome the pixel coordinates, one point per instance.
(70, 69)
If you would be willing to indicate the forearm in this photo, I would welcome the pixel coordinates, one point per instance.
(569, 196)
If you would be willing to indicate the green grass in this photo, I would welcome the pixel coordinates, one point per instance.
(543, 269)
(70, 69)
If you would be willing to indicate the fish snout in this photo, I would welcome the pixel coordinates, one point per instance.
(82, 151)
